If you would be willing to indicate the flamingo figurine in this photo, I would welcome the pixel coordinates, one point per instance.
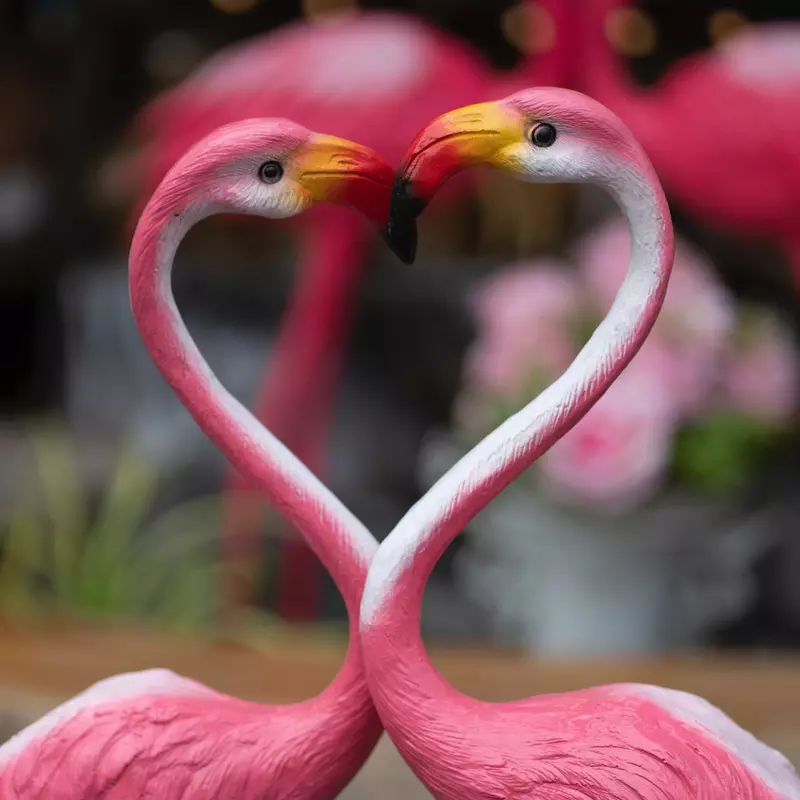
(153, 733)
(372, 75)
(725, 177)
(620, 742)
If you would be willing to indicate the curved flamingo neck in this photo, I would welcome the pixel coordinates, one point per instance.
(340, 541)
(405, 687)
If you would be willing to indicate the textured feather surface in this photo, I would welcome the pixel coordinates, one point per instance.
(618, 742)
(156, 735)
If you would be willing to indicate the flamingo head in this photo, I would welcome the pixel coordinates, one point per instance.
(277, 169)
(543, 134)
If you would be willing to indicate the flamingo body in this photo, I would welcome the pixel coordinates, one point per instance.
(156, 734)
(730, 178)
(622, 742)
(616, 742)
(721, 127)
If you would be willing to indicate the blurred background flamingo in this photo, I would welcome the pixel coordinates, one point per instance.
(735, 110)
(374, 76)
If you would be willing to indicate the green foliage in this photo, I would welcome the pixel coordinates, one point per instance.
(722, 452)
(66, 561)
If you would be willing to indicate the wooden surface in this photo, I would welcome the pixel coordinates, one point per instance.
(38, 671)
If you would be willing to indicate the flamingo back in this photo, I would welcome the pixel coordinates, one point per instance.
(156, 734)
(616, 742)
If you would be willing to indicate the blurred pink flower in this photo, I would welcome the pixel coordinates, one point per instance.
(657, 364)
(602, 257)
(697, 319)
(762, 376)
(524, 315)
(617, 455)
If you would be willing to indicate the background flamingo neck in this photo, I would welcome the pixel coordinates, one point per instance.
(555, 65)
(605, 75)
(397, 667)
(341, 542)
(308, 355)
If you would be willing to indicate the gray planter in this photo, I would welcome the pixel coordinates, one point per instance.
(567, 583)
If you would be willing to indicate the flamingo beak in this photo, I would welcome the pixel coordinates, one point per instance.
(333, 170)
(470, 136)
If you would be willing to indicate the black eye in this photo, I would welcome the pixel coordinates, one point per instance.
(270, 172)
(543, 135)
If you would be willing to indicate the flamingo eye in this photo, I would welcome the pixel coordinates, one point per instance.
(270, 172)
(543, 135)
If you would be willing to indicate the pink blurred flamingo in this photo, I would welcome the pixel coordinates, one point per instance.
(153, 733)
(721, 127)
(626, 742)
(372, 76)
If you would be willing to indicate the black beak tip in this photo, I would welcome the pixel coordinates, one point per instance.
(401, 231)
(402, 240)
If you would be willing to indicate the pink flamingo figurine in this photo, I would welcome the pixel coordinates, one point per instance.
(626, 742)
(372, 76)
(716, 169)
(153, 733)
